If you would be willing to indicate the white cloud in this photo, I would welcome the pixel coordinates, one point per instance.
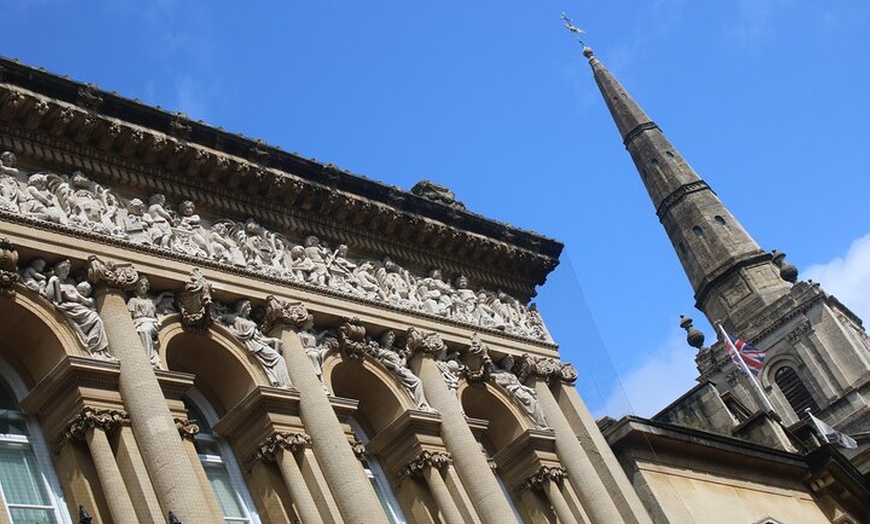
(847, 277)
(667, 373)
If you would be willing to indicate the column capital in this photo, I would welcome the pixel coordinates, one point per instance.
(8, 268)
(538, 479)
(284, 312)
(268, 450)
(187, 429)
(114, 275)
(359, 449)
(93, 418)
(548, 369)
(426, 459)
(425, 343)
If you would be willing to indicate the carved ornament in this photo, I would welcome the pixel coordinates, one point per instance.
(425, 460)
(194, 302)
(284, 312)
(113, 274)
(359, 449)
(8, 268)
(278, 442)
(538, 480)
(187, 429)
(92, 418)
(478, 363)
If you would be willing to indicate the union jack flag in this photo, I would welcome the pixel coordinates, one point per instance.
(744, 355)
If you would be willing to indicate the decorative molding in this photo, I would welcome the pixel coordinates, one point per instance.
(283, 312)
(359, 449)
(548, 369)
(280, 442)
(439, 460)
(478, 363)
(638, 129)
(803, 328)
(678, 194)
(546, 474)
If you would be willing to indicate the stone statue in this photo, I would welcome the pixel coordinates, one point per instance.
(144, 312)
(159, 221)
(34, 277)
(340, 270)
(313, 349)
(189, 235)
(451, 368)
(135, 224)
(222, 246)
(396, 363)
(525, 396)
(37, 201)
(434, 293)
(266, 349)
(9, 188)
(314, 252)
(75, 301)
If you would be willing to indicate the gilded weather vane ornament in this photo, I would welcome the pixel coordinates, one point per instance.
(569, 25)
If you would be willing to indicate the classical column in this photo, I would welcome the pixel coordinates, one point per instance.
(549, 481)
(174, 482)
(594, 496)
(281, 448)
(486, 495)
(188, 430)
(354, 494)
(91, 426)
(428, 465)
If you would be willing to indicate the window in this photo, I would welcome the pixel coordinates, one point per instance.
(28, 489)
(378, 479)
(796, 393)
(220, 468)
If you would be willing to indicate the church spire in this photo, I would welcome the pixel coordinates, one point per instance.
(732, 276)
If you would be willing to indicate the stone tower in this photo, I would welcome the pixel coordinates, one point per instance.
(817, 352)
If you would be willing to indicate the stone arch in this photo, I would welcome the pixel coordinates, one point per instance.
(489, 402)
(34, 337)
(772, 380)
(225, 372)
(381, 398)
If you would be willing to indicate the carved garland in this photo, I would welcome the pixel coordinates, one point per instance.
(279, 442)
(426, 459)
(93, 418)
(540, 478)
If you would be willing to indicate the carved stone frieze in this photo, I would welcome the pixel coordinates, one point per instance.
(794, 336)
(278, 442)
(93, 418)
(425, 460)
(8, 268)
(113, 274)
(194, 302)
(75, 202)
(537, 480)
(187, 429)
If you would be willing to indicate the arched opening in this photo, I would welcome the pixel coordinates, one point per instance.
(505, 423)
(794, 390)
(221, 469)
(380, 403)
(28, 484)
(225, 373)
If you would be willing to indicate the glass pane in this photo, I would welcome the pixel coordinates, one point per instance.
(32, 516)
(12, 424)
(224, 492)
(19, 477)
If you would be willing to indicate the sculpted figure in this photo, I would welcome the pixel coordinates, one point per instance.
(397, 364)
(9, 188)
(222, 246)
(135, 223)
(464, 299)
(484, 315)
(76, 303)
(39, 202)
(523, 395)
(298, 264)
(160, 223)
(451, 367)
(266, 349)
(364, 275)
(33, 276)
(395, 283)
(434, 293)
(315, 253)
(144, 312)
(189, 235)
(340, 269)
(83, 207)
(110, 220)
(313, 349)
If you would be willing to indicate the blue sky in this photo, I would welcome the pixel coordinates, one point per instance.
(765, 98)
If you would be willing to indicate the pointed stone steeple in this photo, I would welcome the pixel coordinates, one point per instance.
(732, 276)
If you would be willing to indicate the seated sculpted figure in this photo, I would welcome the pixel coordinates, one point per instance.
(523, 395)
(75, 301)
(266, 349)
(396, 364)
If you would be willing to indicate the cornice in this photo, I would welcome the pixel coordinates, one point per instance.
(193, 154)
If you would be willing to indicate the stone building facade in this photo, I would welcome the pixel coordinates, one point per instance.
(198, 324)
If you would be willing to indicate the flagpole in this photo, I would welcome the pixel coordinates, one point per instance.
(743, 367)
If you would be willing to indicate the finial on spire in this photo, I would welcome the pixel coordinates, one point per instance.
(576, 31)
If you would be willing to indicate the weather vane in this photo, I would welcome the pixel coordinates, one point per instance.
(569, 25)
